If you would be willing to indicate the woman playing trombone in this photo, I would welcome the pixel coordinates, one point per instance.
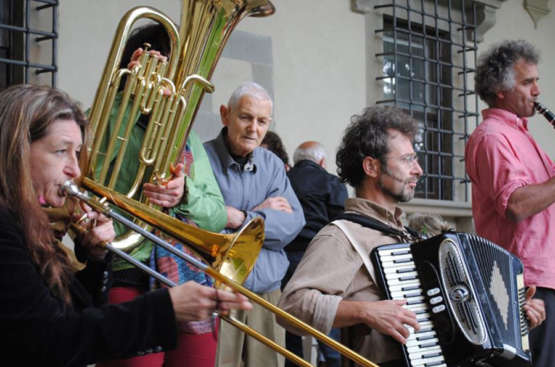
(50, 314)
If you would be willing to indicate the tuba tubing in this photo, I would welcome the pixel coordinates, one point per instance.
(101, 206)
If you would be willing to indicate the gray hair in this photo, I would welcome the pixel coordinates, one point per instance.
(495, 72)
(251, 89)
(315, 153)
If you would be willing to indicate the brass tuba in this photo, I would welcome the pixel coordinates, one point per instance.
(195, 48)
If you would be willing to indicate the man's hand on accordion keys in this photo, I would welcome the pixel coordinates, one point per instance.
(387, 317)
(534, 307)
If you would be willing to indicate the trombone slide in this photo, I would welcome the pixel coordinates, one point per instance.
(102, 207)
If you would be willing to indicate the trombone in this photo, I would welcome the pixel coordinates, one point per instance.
(171, 226)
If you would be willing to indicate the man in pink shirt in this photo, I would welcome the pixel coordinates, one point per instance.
(513, 183)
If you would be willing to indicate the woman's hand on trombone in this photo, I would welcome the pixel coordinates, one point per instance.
(192, 301)
(99, 230)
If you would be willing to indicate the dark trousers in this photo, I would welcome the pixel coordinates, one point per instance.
(332, 357)
(542, 338)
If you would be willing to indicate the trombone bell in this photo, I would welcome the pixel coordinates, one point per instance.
(235, 253)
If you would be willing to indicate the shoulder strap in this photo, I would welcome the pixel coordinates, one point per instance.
(380, 226)
(365, 257)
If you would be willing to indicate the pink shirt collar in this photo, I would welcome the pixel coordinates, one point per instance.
(506, 116)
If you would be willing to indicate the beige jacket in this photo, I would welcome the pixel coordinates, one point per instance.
(331, 270)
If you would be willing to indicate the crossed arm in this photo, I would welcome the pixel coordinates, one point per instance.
(236, 217)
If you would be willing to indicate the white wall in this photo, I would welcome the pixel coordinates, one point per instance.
(320, 73)
(86, 30)
(318, 62)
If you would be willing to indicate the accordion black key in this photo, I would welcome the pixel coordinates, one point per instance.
(467, 293)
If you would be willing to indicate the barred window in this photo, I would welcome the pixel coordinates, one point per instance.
(428, 58)
(28, 42)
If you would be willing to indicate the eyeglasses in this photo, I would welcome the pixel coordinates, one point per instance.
(407, 159)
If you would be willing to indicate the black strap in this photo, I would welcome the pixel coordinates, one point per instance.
(380, 226)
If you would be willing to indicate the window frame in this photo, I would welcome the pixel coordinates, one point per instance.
(437, 24)
(20, 41)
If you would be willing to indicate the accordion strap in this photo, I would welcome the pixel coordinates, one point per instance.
(409, 235)
(365, 257)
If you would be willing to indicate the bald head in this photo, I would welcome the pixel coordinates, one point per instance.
(311, 150)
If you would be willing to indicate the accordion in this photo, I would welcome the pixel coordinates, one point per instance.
(467, 293)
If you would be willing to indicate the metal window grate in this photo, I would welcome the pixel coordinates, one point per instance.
(428, 58)
(28, 42)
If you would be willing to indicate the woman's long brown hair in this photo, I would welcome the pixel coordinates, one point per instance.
(26, 112)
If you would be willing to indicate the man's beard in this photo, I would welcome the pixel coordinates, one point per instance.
(401, 197)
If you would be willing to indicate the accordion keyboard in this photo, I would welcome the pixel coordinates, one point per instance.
(422, 347)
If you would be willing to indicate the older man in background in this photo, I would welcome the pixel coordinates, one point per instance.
(322, 196)
(254, 183)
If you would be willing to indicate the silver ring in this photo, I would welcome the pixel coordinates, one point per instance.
(84, 219)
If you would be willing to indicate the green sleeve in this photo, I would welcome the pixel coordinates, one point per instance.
(204, 203)
(130, 164)
(126, 177)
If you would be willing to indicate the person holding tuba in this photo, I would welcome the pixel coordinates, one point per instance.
(49, 313)
(513, 179)
(192, 195)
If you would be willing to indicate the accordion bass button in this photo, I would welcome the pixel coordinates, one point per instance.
(438, 309)
(436, 300)
(432, 292)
